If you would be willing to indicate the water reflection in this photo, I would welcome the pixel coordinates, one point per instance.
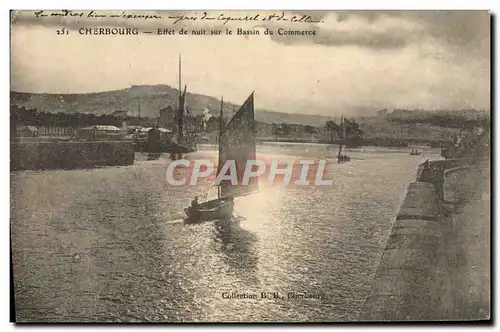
(237, 246)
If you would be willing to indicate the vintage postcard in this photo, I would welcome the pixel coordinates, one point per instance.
(250, 166)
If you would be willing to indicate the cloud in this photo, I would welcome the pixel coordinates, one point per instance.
(345, 29)
(465, 31)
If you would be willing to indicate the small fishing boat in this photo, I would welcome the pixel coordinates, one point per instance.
(415, 153)
(236, 143)
(342, 133)
(220, 208)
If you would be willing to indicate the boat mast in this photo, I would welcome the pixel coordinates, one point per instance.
(341, 134)
(180, 78)
(181, 108)
(139, 105)
(221, 124)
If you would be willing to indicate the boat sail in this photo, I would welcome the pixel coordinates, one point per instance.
(342, 133)
(236, 144)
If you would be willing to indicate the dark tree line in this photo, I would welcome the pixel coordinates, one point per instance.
(32, 117)
(443, 120)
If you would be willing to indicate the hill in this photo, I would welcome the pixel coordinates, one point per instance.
(152, 99)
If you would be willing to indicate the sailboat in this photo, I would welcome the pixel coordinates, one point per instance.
(342, 133)
(236, 143)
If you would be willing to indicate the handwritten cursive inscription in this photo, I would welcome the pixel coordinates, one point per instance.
(94, 14)
(248, 18)
(205, 16)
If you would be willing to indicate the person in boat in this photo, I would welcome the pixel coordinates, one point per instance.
(194, 203)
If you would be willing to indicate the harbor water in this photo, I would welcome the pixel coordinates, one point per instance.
(110, 244)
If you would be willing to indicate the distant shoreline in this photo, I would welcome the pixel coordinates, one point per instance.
(375, 141)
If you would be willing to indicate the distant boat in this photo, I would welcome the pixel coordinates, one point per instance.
(342, 133)
(415, 153)
(236, 142)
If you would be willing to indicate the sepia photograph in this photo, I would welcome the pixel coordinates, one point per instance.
(238, 166)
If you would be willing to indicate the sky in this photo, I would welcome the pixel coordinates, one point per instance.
(358, 61)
